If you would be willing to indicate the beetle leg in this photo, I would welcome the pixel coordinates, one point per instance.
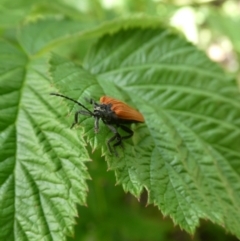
(109, 146)
(116, 136)
(82, 112)
(75, 119)
(91, 101)
(128, 130)
(119, 142)
(96, 124)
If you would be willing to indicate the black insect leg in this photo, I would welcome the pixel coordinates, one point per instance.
(119, 142)
(75, 119)
(91, 101)
(82, 112)
(116, 136)
(128, 130)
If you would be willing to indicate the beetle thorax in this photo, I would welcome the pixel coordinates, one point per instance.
(104, 112)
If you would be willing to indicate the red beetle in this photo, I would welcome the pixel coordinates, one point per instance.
(114, 113)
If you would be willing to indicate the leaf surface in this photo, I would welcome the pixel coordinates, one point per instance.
(187, 153)
(42, 162)
(42, 36)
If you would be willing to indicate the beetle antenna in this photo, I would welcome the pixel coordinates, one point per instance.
(66, 97)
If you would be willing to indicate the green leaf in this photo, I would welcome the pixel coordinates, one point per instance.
(46, 34)
(42, 162)
(13, 12)
(187, 153)
(42, 36)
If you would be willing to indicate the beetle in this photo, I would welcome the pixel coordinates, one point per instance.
(113, 113)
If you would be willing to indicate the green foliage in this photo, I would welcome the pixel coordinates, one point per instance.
(185, 155)
(42, 167)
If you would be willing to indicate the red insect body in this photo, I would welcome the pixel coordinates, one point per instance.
(122, 110)
(114, 114)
